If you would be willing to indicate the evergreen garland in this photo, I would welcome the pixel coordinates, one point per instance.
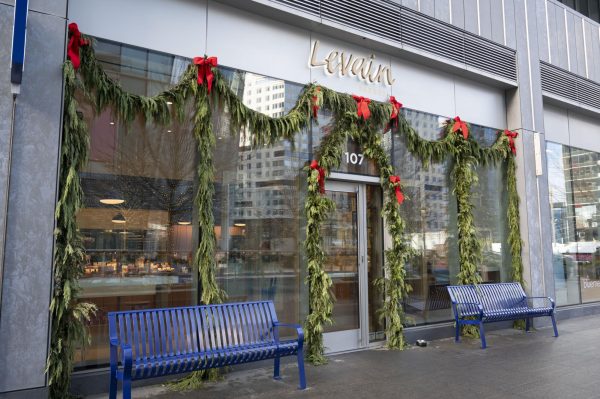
(68, 318)
(68, 325)
(319, 283)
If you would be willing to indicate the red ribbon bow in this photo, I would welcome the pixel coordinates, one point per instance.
(362, 107)
(395, 180)
(75, 41)
(511, 140)
(321, 178)
(205, 66)
(315, 103)
(460, 126)
(395, 108)
(395, 113)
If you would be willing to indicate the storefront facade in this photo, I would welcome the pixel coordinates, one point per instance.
(496, 64)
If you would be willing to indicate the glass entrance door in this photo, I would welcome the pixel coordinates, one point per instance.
(353, 260)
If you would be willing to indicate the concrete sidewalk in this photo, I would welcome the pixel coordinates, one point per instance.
(515, 365)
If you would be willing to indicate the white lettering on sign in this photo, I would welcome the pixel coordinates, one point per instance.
(354, 158)
(351, 65)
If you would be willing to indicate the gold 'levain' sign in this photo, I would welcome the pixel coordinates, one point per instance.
(351, 65)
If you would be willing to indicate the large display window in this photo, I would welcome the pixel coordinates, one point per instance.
(430, 214)
(140, 226)
(138, 221)
(574, 189)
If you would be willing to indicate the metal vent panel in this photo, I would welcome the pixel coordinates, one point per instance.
(410, 28)
(378, 18)
(427, 34)
(309, 6)
(490, 57)
(572, 87)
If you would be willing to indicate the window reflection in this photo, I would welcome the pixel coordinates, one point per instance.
(574, 188)
(352, 160)
(429, 214)
(259, 201)
(138, 186)
(431, 219)
(489, 197)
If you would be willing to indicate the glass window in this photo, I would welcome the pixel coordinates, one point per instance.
(260, 227)
(431, 216)
(138, 187)
(489, 199)
(352, 161)
(574, 189)
(589, 8)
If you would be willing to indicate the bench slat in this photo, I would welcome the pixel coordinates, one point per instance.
(234, 325)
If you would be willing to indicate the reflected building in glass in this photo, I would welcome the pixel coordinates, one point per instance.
(574, 181)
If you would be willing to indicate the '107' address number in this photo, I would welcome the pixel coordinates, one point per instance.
(354, 158)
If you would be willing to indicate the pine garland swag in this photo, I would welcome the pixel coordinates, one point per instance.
(68, 318)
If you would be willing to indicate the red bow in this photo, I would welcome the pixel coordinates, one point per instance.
(321, 178)
(395, 180)
(75, 41)
(462, 126)
(395, 107)
(315, 102)
(205, 66)
(511, 140)
(395, 113)
(362, 107)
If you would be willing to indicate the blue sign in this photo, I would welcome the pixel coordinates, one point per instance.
(18, 41)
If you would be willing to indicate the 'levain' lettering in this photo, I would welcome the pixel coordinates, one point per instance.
(349, 64)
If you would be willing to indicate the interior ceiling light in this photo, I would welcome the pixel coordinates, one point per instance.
(239, 224)
(118, 218)
(112, 201)
(184, 222)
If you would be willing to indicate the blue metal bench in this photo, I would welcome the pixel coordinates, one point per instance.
(156, 342)
(486, 303)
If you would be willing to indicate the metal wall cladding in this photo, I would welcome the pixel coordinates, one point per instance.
(558, 82)
(412, 29)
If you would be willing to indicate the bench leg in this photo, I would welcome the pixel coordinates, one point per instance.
(276, 369)
(554, 325)
(457, 332)
(301, 370)
(126, 388)
(482, 335)
(112, 393)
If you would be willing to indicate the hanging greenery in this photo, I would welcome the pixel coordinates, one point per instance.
(353, 117)
(319, 283)
(69, 317)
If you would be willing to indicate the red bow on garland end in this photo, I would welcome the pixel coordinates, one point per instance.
(460, 126)
(362, 107)
(511, 140)
(314, 165)
(395, 180)
(205, 73)
(395, 113)
(75, 41)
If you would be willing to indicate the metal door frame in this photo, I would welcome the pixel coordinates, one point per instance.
(358, 187)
